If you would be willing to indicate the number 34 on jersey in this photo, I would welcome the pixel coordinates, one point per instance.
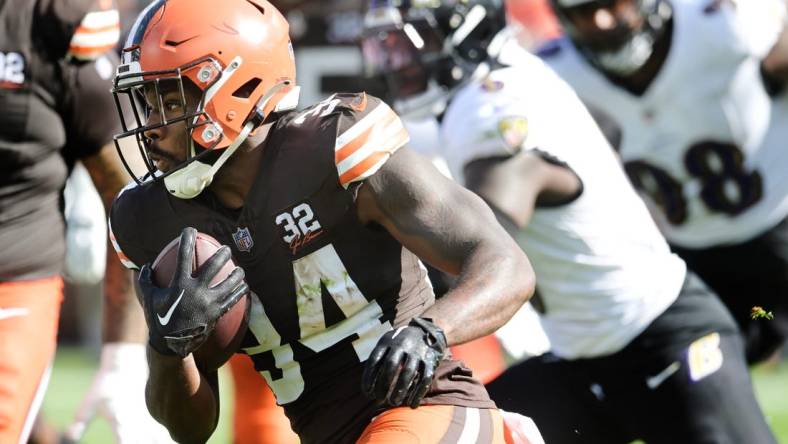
(320, 269)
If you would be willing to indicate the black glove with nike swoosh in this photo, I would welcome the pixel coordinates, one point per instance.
(400, 368)
(181, 317)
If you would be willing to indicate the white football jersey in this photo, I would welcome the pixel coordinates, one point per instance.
(603, 270)
(705, 143)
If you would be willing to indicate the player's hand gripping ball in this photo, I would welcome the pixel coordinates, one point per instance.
(195, 300)
(400, 368)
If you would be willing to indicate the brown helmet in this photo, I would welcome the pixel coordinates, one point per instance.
(236, 52)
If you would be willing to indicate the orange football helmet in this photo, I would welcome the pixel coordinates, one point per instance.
(236, 52)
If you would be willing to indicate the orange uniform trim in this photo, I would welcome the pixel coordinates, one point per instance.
(29, 312)
(257, 419)
(365, 167)
(89, 50)
(345, 152)
(362, 167)
(435, 424)
(362, 139)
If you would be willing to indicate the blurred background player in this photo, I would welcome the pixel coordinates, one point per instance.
(695, 91)
(640, 348)
(54, 77)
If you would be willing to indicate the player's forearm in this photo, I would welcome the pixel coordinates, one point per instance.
(495, 281)
(123, 320)
(181, 397)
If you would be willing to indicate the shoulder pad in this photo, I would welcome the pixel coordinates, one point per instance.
(332, 106)
(368, 133)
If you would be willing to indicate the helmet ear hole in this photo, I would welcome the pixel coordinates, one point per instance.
(246, 90)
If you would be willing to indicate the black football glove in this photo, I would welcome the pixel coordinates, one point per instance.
(400, 368)
(181, 317)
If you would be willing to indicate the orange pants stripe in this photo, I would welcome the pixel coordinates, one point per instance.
(29, 312)
(436, 424)
(257, 418)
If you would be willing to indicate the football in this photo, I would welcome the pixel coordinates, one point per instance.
(230, 329)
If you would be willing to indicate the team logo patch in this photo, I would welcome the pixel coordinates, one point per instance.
(491, 85)
(243, 239)
(704, 356)
(513, 131)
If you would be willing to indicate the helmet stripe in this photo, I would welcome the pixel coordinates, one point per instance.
(137, 31)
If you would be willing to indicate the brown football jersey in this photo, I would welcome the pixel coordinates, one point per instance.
(327, 286)
(54, 109)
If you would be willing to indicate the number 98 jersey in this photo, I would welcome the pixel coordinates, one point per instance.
(327, 287)
(705, 143)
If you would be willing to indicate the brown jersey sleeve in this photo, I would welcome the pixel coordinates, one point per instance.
(78, 29)
(368, 133)
(141, 222)
(121, 223)
(90, 115)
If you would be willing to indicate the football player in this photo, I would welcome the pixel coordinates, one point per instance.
(327, 212)
(695, 89)
(640, 347)
(54, 74)
(328, 59)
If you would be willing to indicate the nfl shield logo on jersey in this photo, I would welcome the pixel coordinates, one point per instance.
(243, 239)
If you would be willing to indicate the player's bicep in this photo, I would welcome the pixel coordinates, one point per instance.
(515, 185)
(432, 216)
(509, 184)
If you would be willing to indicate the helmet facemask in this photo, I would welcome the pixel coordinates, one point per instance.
(200, 158)
(620, 50)
(408, 56)
(426, 50)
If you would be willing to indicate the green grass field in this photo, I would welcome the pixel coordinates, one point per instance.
(74, 369)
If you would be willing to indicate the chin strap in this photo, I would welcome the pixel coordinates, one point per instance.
(189, 181)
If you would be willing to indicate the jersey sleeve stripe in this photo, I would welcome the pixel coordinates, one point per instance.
(98, 33)
(381, 111)
(362, 169)
(83, 30)
(94, 41)
(372, 162)
(89, 53)
(380, 139)
(362, 139)
(100, 19)
(121, 255)
(351, 147)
